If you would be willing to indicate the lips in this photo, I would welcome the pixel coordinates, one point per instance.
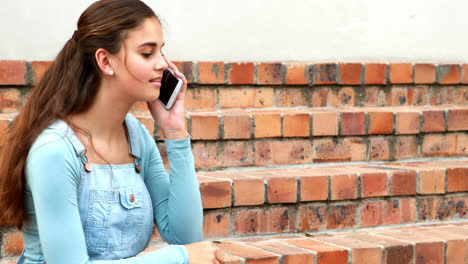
(156, 81)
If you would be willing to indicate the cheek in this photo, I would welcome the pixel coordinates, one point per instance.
(139, 69)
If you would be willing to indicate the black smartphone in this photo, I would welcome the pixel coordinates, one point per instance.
(170, 87)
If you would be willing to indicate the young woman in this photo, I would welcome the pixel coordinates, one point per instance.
(82, 178)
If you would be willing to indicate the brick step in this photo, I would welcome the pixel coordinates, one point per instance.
(440, 243)
(443, 243)
(230, 138)
(250, 202)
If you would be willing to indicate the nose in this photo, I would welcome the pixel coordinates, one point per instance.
(160, 64)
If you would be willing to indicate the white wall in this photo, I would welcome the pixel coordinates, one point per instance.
(263, 30)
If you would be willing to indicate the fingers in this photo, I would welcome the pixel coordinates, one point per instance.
(178, 74)
(219, 255)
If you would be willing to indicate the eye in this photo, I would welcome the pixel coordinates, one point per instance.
(147, 55)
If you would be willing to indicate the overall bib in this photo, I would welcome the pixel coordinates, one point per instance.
(114, 204)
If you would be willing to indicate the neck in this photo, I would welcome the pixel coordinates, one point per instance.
(104, 118)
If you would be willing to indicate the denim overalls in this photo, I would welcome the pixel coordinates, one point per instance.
(114, 204)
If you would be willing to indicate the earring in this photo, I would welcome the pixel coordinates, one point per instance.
(111, 72)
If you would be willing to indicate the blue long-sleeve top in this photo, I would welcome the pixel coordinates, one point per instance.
(54, 231)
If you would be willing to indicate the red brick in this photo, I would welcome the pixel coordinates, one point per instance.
(13, 243)
(462, 145)
(457, 251)
(327, 150)
(374, 184)
(431, 181)
(258, 221)
(430, 252)
(248, 191)
(379, 149)
(251, 255)
(457, 179)
(314, 188)
(241, 73)
(282, 152)
(401, 73)
(245, 97)
(200, 98)
(211, 72)
(434, 121)
(147, 121)
(385, 97)
(319, 97)
(403, 183)
(296, 125)
(39, 68)
(438, 96)
(216, 193)
(358, 148)
(236, 126)
(350, 73)
(399, 96)
(342, 97)
(370, 214)
(290, 255)
(10, 100)
(281, 189)
(448, 73)
(267, 125)
(297, 73)
(323, 73)
(12, 72)
(399, 211)
(375, 73)
(353, 123)
(343, 187)
(326, 253)
(324, 124)
(269, 73)
(312, 217)
(406, 147)
(291, 97)
(370, 96)
(457, 119)
(341, 216)
(361, 251)
(205, 127)
(417, 95)
(234, 153)
(464, 73)
(462, 97)
(424, 73)
(380, 123)
(407, 123)
(185, 67)
(215, 224)
(215, 154)
(439, 145)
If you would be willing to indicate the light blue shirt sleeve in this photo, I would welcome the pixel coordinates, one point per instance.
(53, 174)
(177, 206)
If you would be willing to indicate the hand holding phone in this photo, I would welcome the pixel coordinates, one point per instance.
(170, 88)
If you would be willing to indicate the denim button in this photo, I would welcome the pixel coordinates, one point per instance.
(132, 198)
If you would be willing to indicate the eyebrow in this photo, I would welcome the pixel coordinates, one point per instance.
(151, 44)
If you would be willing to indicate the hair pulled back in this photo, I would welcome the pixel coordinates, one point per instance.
(68, 87)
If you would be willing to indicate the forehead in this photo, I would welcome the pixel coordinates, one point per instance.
(149, 31)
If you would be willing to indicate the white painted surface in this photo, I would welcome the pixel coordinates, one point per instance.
(263, 30)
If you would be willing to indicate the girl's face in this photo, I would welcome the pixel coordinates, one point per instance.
(140, 64)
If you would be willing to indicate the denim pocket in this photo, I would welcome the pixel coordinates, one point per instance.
(115, 219)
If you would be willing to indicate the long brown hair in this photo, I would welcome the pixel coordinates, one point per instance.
(69, 86)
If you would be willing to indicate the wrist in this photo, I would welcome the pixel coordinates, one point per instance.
(175, 134)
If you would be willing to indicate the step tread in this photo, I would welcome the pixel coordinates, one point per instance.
(363, 246)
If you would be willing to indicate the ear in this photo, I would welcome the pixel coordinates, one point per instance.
(103, 59)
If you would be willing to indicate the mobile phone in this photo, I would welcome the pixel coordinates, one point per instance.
(170, 87)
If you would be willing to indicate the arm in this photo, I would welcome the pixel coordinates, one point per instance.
(52, 173)
(176, 199)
